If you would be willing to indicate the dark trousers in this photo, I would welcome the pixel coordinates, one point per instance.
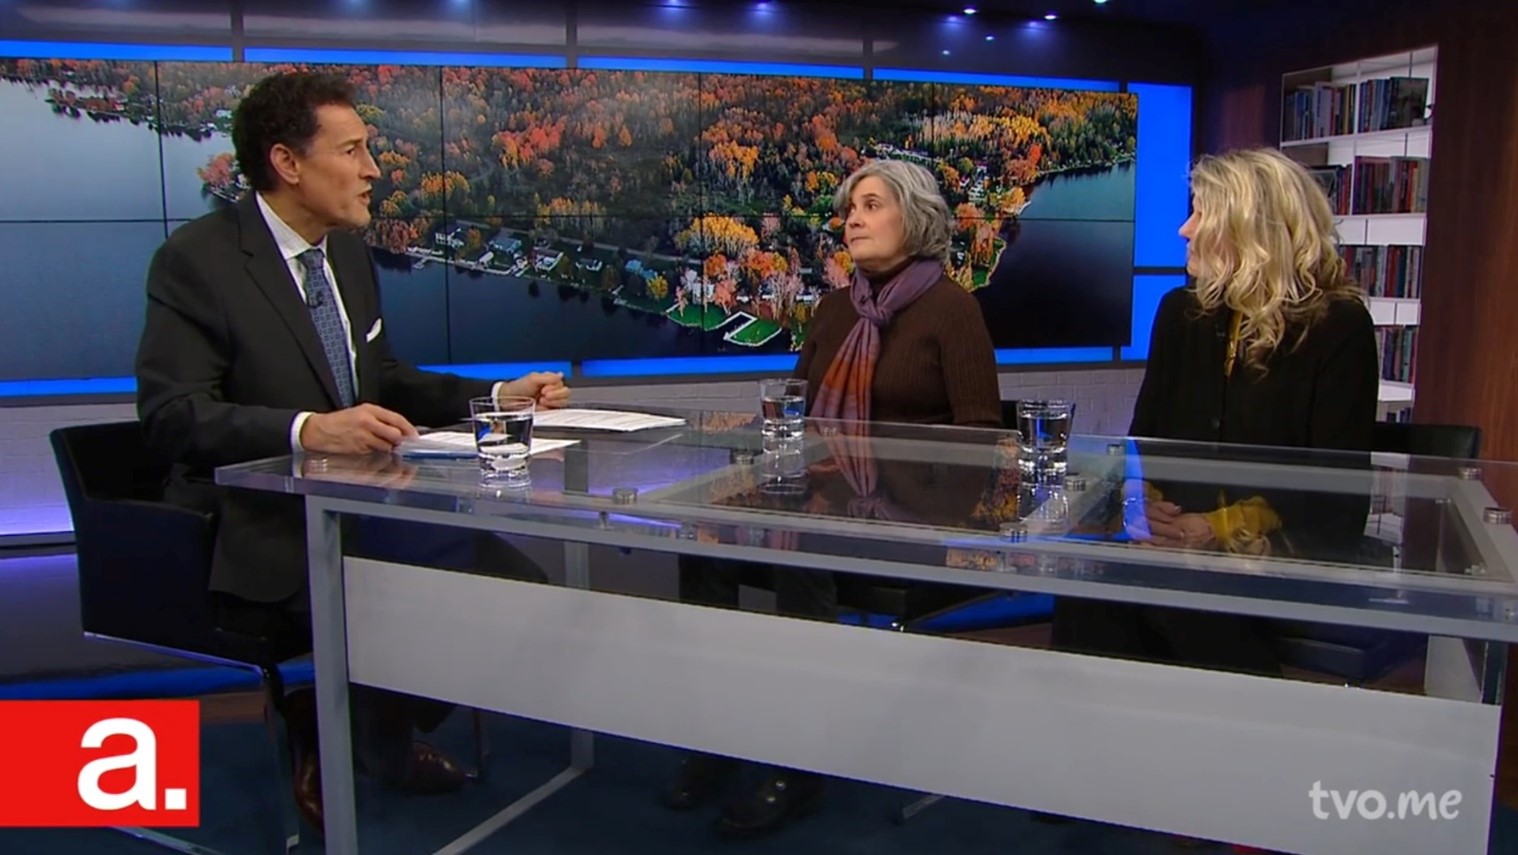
(384, 722)
(1219, 642)
(798, 593)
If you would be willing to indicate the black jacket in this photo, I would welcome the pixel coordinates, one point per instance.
(228, 357)
(1319, 395)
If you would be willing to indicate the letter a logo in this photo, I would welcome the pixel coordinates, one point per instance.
(142, 760)
(102, 763)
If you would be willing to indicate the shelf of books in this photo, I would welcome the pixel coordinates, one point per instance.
(1365, 129)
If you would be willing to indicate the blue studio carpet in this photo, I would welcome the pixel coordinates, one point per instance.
(612, 809)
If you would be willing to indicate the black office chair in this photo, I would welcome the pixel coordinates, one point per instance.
(906, 605)
(143, 571)
(912, 605)
(1009, 415)
(1459, 442)
(909, 605)
(1355, 654)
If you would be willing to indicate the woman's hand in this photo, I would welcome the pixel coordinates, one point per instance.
(1187, 531)
(1162, 523)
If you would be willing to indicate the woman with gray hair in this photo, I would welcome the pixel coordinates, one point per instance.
(902, 343)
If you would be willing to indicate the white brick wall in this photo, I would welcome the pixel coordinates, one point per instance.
(31, 498)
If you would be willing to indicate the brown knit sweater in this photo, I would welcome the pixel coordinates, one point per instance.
(937, 365)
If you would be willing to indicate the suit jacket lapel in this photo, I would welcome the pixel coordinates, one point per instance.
(267, 267)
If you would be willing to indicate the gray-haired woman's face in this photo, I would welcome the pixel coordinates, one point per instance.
(874, 229)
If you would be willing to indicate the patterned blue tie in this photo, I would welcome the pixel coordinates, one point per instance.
(329, 324)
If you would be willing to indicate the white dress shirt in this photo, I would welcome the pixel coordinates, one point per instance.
(291, 245)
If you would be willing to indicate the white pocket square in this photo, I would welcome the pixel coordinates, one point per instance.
(374, 331)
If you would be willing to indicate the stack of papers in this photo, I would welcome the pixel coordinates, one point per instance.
(447, 443)
(613, 420)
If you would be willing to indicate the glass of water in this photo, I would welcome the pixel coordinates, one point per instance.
(503, 437)
(782, 403)
(1044, 507)
(1045, 429)
(782, 472)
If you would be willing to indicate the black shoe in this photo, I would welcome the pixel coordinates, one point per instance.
(429, 771)
(1051, 818)
(784, 796)
(701, 777)
(308, 790)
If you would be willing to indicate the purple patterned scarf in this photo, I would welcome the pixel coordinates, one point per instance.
(848, 385)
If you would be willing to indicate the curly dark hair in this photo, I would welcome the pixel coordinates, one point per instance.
(281, 109)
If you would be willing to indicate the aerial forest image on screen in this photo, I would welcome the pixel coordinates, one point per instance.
(528, 213)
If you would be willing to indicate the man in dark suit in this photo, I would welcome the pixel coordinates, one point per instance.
(264, 337)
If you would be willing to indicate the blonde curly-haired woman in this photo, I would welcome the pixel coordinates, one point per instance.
(1270, 345)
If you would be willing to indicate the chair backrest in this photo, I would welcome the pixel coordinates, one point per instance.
(1009, 415)
(1362, 654)
(143, 563)
(102, 462)
(1461, 442)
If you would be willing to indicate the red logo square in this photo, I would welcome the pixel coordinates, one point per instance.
(101, 763)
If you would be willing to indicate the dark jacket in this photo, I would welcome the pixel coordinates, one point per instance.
(229, 355)
(1318, 395)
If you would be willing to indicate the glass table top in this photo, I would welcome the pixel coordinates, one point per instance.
(1400, 541)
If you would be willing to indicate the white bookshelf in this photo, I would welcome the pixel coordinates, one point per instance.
(1391, 313)
(1381, 229)
(1395, 311)
(1396, 393)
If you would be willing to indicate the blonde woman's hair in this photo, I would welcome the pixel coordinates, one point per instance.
(925, 215)
(1265, 246)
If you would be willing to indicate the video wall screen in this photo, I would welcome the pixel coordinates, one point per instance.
(549, 214)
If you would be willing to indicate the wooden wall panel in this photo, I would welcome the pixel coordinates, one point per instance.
(1468, 353)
